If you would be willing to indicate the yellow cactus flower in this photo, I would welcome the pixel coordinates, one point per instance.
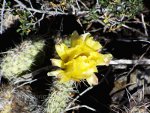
(79, 61)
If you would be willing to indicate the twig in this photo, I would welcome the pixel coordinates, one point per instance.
(28, 82)
(130, 62)
(145, 28)
(130, 96)
(83, 5)
(39, 20)
(2, 15)
(82, 13)
(97, 4)
(52, 13)
(28, 77)
(85, 91)
(78, 5)
(133, 29)
(136, 22)
(124, 87)
(138, 61)
(0, 77)
(139, 39)
(126, 109)
(116, 108)
(30, 3)
(80, 106)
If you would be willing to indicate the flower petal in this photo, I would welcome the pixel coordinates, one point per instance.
(74, 52)
(100, 59)
(107, 58)
(74, 37)
(80, 68)
(92, 80)
(75, 40)
(79, 60)
(85, 36)
(57, 62)
(93, 44)
(61, 50)
(65, 78)
(55, 73)
(104, 59)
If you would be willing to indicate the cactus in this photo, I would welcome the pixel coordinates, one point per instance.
(59, 97)
(18, 100)
(22, 58)
(9, 20)
(5, 100)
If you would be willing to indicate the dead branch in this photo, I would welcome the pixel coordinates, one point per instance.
(133, 29)
(130, 62)
(2, 15)
(74, 100)
(141, 57)
(81, 106)
(51, 13)
(144, 25)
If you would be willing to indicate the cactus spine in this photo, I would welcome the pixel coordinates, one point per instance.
(20, 59)
(18, 100)
(59, 96)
